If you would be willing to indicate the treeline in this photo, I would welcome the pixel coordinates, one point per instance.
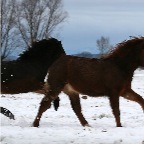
(25, 21)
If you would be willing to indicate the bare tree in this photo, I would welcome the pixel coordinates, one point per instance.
(25, 21)
(103, 45)
(8, 31)
(38, 19)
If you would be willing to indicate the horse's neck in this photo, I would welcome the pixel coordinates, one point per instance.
(41, 70)
(128, 63)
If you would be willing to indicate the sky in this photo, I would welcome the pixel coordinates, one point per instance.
(88, 20)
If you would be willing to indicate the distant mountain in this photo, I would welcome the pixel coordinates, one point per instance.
(88, 55)
(83, 54)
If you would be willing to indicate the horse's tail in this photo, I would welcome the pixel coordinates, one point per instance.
(56, 103)
(6, 112)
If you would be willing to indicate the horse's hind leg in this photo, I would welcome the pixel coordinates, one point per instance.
(76, 106)
(131, 95)
(44, 105)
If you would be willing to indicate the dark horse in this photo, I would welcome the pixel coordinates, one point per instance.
(27, 73)
(110, 76)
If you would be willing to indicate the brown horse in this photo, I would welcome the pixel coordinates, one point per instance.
(110, 76)
(27, 73)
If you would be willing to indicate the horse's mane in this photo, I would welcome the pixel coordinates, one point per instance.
(126, 45)
(38, 49)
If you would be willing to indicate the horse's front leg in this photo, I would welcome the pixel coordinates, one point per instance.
(44, 105)
(133, 96)
(114, 101)
(76, 106)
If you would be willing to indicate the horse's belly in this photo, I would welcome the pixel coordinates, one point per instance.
(95, 86)
(97, 80)
(91, 88)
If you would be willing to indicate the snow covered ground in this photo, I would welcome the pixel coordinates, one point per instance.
(63, 127)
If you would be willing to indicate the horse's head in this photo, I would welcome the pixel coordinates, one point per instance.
(44, 52)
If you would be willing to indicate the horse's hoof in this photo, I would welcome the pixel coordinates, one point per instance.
(87, 125)
(119, 126)
(35, 125)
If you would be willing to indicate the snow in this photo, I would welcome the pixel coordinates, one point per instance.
(63, 127)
